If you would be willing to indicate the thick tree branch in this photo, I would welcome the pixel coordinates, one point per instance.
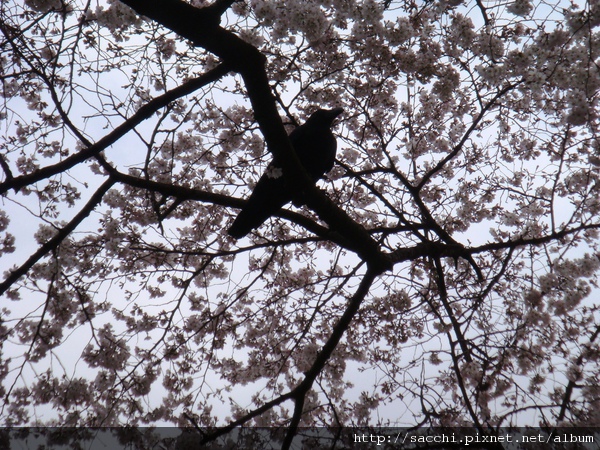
(457, 250)
(440, 281)
(142, 114)
(61, 235)
(299, 393)
(185, 193)
(522, 242)
(201, 27)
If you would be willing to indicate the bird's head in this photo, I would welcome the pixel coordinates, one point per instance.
(325, 117)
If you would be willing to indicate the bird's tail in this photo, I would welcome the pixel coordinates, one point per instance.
(267, 198)
(246, 221)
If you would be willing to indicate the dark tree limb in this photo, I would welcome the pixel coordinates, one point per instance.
(182, 193)
(201, 26)
(61, 235)
(92, 150)
(299, 393)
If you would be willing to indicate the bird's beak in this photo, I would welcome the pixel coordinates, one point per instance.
(335, 113)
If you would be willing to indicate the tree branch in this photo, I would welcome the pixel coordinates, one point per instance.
(299, 393)
(63, 233)
(142, 114)
(247, 60)
(185, 193)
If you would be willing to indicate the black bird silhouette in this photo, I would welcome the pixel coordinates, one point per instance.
(315, 146)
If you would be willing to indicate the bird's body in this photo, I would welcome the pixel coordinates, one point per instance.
(315, 146)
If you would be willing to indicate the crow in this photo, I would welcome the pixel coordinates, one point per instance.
(315, 146)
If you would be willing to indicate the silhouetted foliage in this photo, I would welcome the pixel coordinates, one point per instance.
(444, 273)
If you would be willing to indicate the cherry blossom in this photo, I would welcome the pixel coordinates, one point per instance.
(444, 273)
